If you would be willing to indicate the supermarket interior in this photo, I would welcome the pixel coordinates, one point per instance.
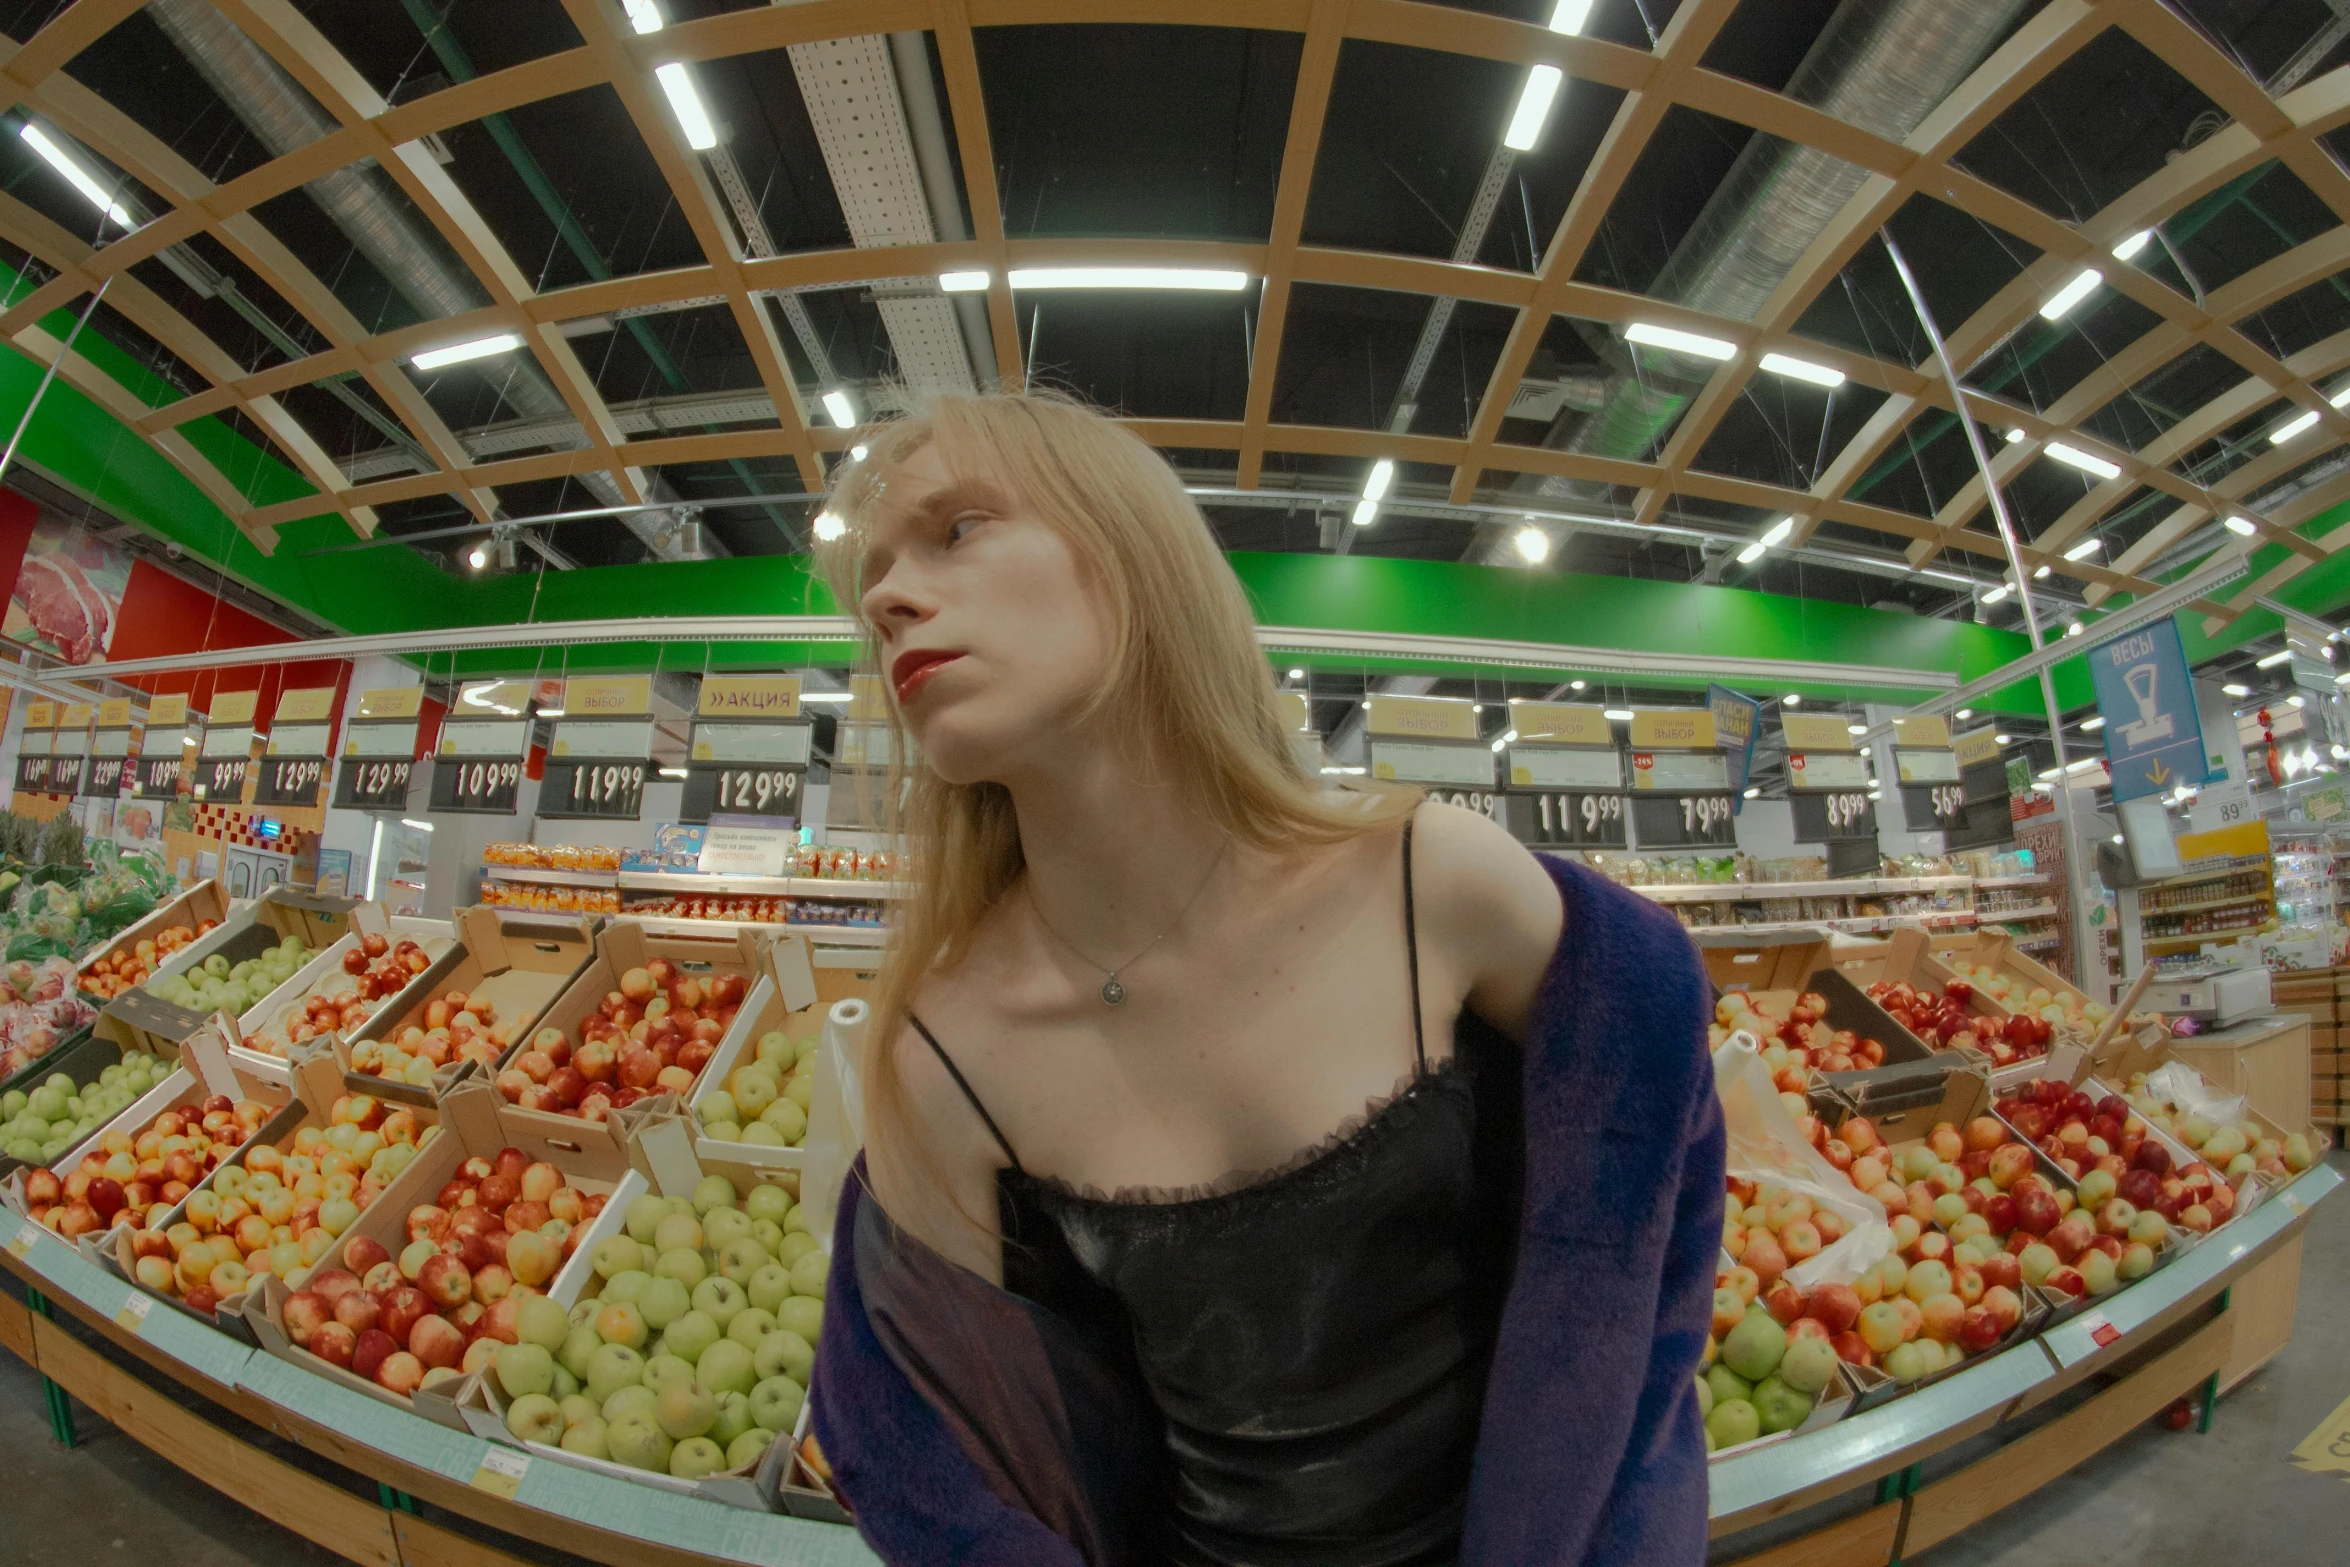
(1854, 473)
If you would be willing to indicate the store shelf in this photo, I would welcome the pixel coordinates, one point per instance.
(1852, 925)
(2145, 913)
(758, 886)
(2012, 881)
(2030, 911)
(548, 878)
(2219, 937)
(832, 935)
(1755, 891)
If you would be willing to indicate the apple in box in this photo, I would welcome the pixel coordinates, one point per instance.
(653, 1034)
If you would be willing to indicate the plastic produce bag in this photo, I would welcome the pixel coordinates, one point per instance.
(1766, 1147)
(2177, 1084)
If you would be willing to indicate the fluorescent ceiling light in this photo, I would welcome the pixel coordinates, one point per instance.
(963, 282)
(829, 526)
(1752, 553)
(2295, 701)
(2340, 680)
(410, 821)
(1621, 715)
(1996, 594)
(2128, 249)
(2243, 525)
(1754, 794)
(1210, 279)
(1683, 342)
(2087, 462)
(1381, 476)
(686, 104)
(2039, 572)
(843, 412)
(458, 353)
(1498, 744)
(550, 712)
(1297, 674)
(2083, 765)
(643, 15)
(672, 772)
(1856, 729)
(1574, 685)
(1534, 101)
(2092, 725)
(478, 556)
(2075, 629)
(1999, 739)
(1568, 16)
(856, 454)
(2014, 436)
(1344, 771)
(827, 696)
(1964, 712)
(1792, 699)
(1802, 370)
(2233, 689)
(2273, 660)
(2072, 293)
(1365, 513)
(2292, 427)
(77, 176)
(1778, 533)
(1533, 545)
(2084, 549)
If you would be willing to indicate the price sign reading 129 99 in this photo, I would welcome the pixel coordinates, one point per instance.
(613, 790)
(1683, 821)
(481, 786)
(289, 780)
(741, 789)
(372, 784)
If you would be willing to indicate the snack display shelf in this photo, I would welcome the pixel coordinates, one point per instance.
(2208, 903)
(757, 886)
(2034, 880)
(834, 935)
(2030, 911)
(551, 878)
(2216, 937)
(1849, 925)
(1749, 891)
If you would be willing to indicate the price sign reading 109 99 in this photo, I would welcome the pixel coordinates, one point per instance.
(608, 790)
(483, 786)
(156, 778)
(1678, 821)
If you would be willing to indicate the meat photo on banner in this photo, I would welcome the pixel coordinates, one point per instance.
(68, 594)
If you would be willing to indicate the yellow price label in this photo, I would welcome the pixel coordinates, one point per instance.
(501, 1472)
(133, 1314)
(20, 1245)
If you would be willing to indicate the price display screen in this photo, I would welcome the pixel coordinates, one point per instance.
(742, 789)
(157, 777)
(1830, 816)
(65, 774)
(289, 780)
(607, 790)
(378, 784)
(222, 780)
(480, 786)
(1565, 818)
(102, 776)
(1683, 821)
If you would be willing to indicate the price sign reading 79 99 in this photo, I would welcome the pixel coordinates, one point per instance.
(1683, 821)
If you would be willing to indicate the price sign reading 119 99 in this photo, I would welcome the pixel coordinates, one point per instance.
(478, 785)
(613, 790)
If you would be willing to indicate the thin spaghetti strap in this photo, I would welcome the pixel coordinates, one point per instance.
(1411, 943)
(961, 1082)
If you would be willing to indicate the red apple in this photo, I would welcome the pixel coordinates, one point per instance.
(400, 1372)
(436, 1342)
(333, 1343)
(357, 1310)
(2071, 1237)
(303, 1312)
(403, 1308)
(445, 1280)
(370, 1351)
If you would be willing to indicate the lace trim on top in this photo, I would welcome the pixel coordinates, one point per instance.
(1377, 1114)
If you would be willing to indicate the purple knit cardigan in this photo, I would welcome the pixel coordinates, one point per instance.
(1591, 1449)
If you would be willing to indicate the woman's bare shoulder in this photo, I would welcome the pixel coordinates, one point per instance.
(1485, 899)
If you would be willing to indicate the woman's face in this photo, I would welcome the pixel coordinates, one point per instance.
(992, 638)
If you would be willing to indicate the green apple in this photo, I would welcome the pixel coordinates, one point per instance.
(579, 1407)
(787, 1118)
(718, 1107)
(685, 1410)
(1752, 1349)
(612, 1368)
(746, 1449)
(755, 1087)
(636, 1398)
(1807, 1366)
(662, 1370)
(643, 1216)
(524, 1369)
(579, 1351)
(1733, 1422)
(726, 1367)
(769, 1287)
(677, 1232)
(775, 1403)
(638, 1441)
(769, 1234)
(734, 1418)
(744, 1256)
(791, 1248)
(713, 1191)
(786, 1354)
(586, 1438)
(622, 1323)
(617, 1254)
(723, 1225)
(664, 1301)
(802, 1315)
(749, 1326)
(683, 1264)
(775, 1049)
(539, 1320)
(1780, 1407)
(628, 1285)
(565, 1383)
(797, 1219)
(1728, 1385)
(689, 1335)
(721, 1298)
(534, 1417)
(695, 1457)
(584, 1309)
(809, 1273)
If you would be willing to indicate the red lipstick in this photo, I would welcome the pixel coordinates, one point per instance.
(914, 668)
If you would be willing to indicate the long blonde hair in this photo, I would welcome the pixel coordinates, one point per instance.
(1186, 678)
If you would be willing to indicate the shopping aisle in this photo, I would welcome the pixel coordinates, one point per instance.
(2232, 1494)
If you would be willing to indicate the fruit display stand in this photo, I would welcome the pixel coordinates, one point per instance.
(145, 1020)
(206, 901)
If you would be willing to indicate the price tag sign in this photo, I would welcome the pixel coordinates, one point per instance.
(745, 846)
(742, 788)
(222, 781)
(380, 785)
(2100, 1329)
(290, 780)
(501, 1471)
(1834, 816)
(1565, 818)
(156, 777)
(103, 776)
(20, 1245)
(476, 786)
(32, 774)
(133, 1315)
(65, 774)
(610, 791)
(1683, 821)
(1483, 801)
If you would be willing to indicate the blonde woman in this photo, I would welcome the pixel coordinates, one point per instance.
(1253, 1173)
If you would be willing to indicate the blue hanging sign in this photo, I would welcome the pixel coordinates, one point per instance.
(2153, 739)
(1737, 725)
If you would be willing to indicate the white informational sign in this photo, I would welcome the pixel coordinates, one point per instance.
(745, 846)
(2222, 805)
(227, 744)
(1558, 769)
(1926, 767)
(1406, 762)
(785, 743)
(1827, 770)
(299, 739)
(603, 738)
(500, 737)
(373, 741)
(1675, 771)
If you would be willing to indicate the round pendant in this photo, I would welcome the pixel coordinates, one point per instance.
(1112, 992)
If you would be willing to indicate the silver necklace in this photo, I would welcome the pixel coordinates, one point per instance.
(1113, 988)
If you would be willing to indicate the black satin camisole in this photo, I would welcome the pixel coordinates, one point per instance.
(1315, 1338)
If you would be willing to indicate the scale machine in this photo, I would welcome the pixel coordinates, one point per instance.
(2218, 993)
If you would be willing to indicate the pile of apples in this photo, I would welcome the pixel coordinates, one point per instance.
(1939, 1017)
(455, 1027)
(135, 1179)
(770, 1092)
(2232, 1149)
(1793, 1036)
(130, 967)
(692, 1350)
(2107, 1137)
(378, 970)
(653, 1035)
(470, 1279)
(383, 967)
(278, 1211)
(2064, 1010)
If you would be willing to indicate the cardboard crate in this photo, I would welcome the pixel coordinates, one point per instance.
(207, 900)
(325, 975)
(1757, 964)
(37, 1070)
(1997, 950)
(519, 962)
(1800, 961)
(783, 1000)
(81, 1059)
(144, 1020)
(473, 1122)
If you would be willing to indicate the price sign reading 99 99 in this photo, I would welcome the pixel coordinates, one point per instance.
(1683, 821)
(476, 785)
(578, 789)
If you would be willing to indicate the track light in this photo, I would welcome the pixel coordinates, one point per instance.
(1802, 370)
(1533, 545)
(1533, 110)
(2072, 293)
(459, 353)
(1679, 341)
(829, 526)
(76, 176)
(842, 412)
(2087, 462)
(1381, 476)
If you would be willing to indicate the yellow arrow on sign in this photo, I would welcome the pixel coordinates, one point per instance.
(2157, 773)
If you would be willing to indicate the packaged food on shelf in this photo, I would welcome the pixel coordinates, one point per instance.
(744, 909)
(552, 856)
(551, 900)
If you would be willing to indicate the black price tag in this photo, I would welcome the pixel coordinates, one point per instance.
(1483, 801)
(32, 774)
(1936, 807)
(1834, 815)
(222, 782)
(477, 786)
(577, 789)
(378, 785)
(1684, 821)
(1565, 818)
(65, 775)
(741, 789)
(103, 776)
(156, 778)
(290, 780)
